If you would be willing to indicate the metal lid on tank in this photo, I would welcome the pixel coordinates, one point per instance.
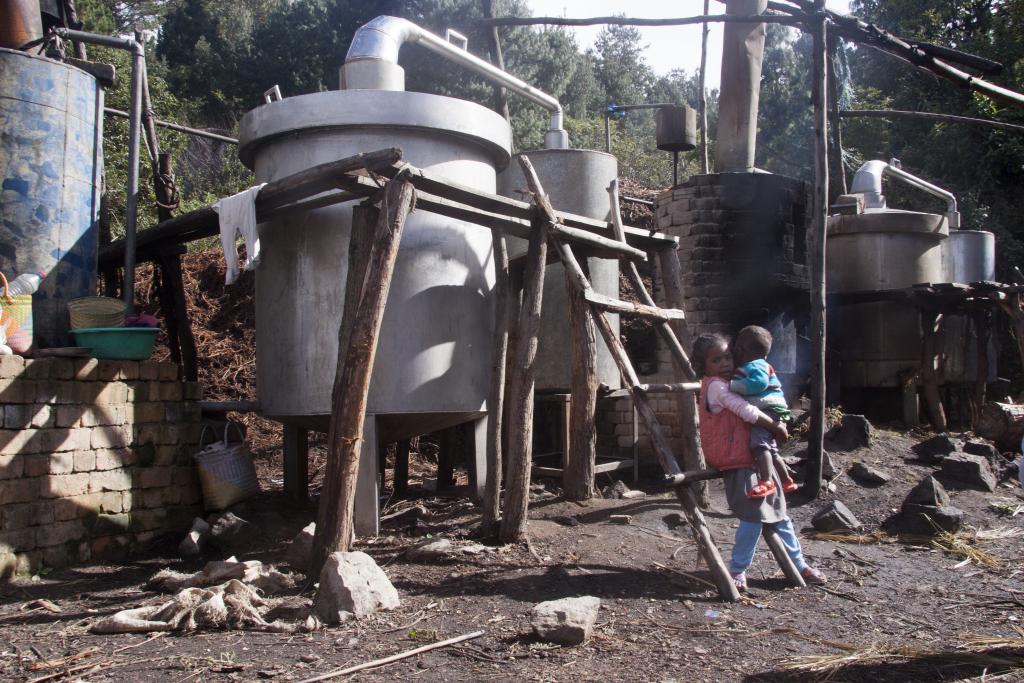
(375, 109)
(890, 221)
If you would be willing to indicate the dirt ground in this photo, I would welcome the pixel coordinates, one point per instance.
(659, 621)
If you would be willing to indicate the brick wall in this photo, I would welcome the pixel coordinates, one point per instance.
(95, 457)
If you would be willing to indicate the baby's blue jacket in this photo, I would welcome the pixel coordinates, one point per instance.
(758, 383)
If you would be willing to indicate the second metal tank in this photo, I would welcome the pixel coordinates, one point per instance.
(576, 181)
(876, 251)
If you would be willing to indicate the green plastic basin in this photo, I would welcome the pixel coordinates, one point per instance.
(124, 343)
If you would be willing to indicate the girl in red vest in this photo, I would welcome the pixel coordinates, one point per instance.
(725, 421)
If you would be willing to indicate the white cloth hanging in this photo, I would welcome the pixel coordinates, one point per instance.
(237, 215)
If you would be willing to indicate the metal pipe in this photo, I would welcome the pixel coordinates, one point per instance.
(868, 182)
(134, 127)
(175, 126)
(381, 39)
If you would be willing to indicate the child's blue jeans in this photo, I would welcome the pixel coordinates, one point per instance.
(746, 544)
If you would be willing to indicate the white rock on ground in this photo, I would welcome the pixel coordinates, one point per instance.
(568, 621)
(431, 549)
(351, 584)
(301, 548)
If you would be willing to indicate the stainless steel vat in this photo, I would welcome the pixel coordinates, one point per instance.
(50, 164)
(877, 251)
(576, 180)
(432, 367)
(969, 256)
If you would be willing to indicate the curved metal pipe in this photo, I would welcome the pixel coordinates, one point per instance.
(868, 181)
(382, 39)
(138, 78)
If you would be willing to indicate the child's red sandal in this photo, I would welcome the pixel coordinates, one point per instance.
(761, 489)
(789, 486)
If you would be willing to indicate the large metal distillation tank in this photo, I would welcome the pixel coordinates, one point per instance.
(432, 368)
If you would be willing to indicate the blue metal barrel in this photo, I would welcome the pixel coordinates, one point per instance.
(51, 150)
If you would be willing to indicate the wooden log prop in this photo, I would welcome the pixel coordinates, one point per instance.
(816, 253)
(581, 455)
(520, 427)
(778, 548)
(1002, 423)
(931, 360)
(352, 379)
(496, 395)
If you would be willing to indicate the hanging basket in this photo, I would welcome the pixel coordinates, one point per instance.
(226, 471)
(16, 318)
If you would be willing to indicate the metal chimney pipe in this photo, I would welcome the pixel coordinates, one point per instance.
(372, 63)
(742, 51)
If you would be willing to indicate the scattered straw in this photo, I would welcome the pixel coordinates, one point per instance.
(974, 650)
(958, 544)
(846, 537)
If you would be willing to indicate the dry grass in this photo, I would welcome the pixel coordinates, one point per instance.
(973, 649)
(872, 538)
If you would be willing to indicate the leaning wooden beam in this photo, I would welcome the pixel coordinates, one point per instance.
(674, 388)
(778, 549)
(702, 533)
(520, 426)
(610, 247)
(853, 29)
(789, 20)
(352, 380)
(606, 303)
(203, 222)
(928, 116)
(439, 186)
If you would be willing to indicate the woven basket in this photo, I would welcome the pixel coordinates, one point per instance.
(96, 311)
(16, 318)
(226, 471)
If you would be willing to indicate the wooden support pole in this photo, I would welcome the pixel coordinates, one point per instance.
(170, 265)
(581, 449)
(165, 294)
(520, 399)
(401, 476)
(983, 329)
(838, 172)
(686, 404)
(931, 327)
(816, 255)
(778, 549)
(497, 58)
(446, 452)
(496, 395)
(673, 388)
(296, 463)
(701, 85)
(352, 379)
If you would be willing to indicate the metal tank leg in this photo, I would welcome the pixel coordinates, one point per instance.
(367, 511)
(478, 464)
(296, 463)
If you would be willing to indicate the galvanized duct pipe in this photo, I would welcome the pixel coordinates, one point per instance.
(134, 128)
(372, 64)
(868, 182)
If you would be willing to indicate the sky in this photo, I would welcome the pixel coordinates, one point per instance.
(668, 47)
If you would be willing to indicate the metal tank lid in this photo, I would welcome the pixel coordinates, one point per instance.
(336, 109)
(41, 58)
(890, 221)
